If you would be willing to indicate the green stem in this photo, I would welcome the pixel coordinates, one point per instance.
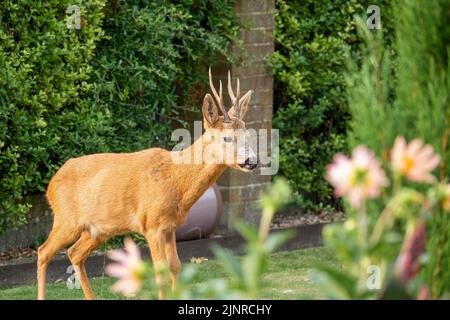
(397, 183)
(264, 226)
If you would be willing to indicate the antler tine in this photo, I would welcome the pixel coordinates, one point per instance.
(220, 92)
(238, 95)
(212, 86)
(230, 90)
(234, 99)
(222, 105)
(219, 99)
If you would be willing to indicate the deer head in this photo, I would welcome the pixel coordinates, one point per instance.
(229, 140)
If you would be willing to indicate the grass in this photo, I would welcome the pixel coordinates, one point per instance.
(288, 277)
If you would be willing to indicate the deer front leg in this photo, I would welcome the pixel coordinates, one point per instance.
(172, 257)
(156, 243)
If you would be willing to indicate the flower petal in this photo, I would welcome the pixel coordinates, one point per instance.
(117, 255)
(117, 270)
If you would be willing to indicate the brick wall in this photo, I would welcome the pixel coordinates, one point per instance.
(240, 190)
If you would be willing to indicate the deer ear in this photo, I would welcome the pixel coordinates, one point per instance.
(243, 103)
(209, 109)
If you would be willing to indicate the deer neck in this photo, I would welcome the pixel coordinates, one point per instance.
(194, 176)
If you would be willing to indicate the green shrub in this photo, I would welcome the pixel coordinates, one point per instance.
(112, 85)
(45, 73)
(153, 52)
(311, 110)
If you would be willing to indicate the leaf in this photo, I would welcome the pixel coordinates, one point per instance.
(248, 231)
(229, 262)
(336, 283)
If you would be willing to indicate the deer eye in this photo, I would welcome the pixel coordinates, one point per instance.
(227, 139)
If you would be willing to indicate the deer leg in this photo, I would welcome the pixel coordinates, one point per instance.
(156, 243)
(78, 254)
(172, 258)
(59, 237)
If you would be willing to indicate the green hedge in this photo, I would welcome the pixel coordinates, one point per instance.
(45, 74)
(311, 111)
(151, 56)
(112, 85)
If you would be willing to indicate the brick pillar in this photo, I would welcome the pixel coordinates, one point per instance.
(240, 190)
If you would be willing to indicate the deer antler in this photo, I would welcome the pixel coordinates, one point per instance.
(234, 99)
(219, 98)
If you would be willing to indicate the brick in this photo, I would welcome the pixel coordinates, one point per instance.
(248, 6)
(258, 113)
(255, 52)
(244, 193)
(232, 177)
(257, 83)
(262, 98)
(260, 35)
(248, 71)
(249, 211)
(270, 5)
(266, 124)
(266, 47)
(258, 20)
(251, 62)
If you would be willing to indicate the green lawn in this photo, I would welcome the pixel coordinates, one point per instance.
(288, 278)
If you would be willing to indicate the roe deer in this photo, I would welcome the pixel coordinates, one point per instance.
(98, 196)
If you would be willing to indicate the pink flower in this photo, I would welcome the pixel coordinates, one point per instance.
(408, 262)
(359, 177)
(128, 269)
(414, 160)
(424, 293)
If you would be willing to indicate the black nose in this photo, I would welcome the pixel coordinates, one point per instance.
(250, 163)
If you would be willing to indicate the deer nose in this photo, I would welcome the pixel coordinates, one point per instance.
(250, 163)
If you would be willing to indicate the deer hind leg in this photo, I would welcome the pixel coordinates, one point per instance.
(172, 258)
(78, 253)
(58, 238)
(156, 242)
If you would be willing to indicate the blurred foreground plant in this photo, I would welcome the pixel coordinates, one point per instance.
(382, 251)
(244, 274)
(400, 88)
